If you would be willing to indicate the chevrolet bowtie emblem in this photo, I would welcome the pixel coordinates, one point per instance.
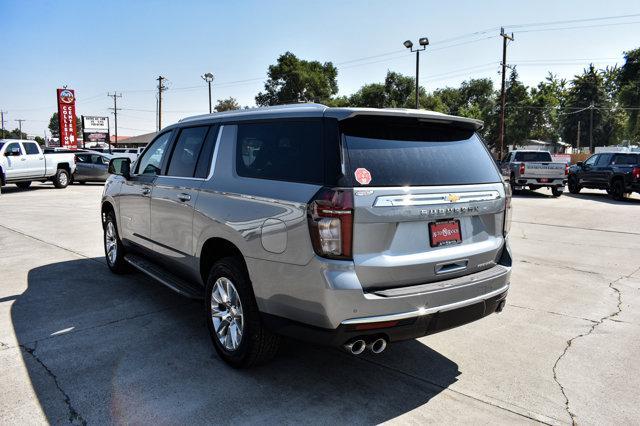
(453, 198)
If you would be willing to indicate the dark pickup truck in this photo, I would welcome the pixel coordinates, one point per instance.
(617, 173)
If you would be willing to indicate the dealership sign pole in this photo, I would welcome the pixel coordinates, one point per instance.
(67, 117)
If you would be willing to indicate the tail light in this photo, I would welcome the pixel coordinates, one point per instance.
(330, 217)
(521, 169)
(506, 226)
(636, 173)
(566, 169)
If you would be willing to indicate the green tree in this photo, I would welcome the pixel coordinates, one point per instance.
(40, 140)
(54, 126)
(518, 119)
(588, 95)
(296, 80)
(547, 99)
(228, 104)
(370, 95)
(13, 134)
(629, 91)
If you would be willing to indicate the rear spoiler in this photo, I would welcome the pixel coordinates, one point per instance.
(422, 115)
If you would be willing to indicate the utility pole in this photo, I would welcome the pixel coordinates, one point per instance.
(115, 109)
(161, 88)
(591, 128)
(505, 38)
(579, 123)
(2, 113)
(20, 120)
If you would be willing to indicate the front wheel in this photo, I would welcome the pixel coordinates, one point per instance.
(233, 319)
(556, 192)
(61, 179)
(23, 185)
(113, 248)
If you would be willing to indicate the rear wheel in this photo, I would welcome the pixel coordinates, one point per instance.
(574, 187)
(233, 319)
(23, 185)
(61, 179)
(556, 192)
(617, 190)
(512, 183)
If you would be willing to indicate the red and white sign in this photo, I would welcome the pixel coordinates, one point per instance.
(363, 177)
(67, 118)
(444, 233)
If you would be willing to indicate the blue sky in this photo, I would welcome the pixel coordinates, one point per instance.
(98, 47)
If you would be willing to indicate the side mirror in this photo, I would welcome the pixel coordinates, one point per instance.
(120, 167)
(579, 163)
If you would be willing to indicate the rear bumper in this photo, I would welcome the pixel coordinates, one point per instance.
(412, 327)
(536, 181)
(326, 296)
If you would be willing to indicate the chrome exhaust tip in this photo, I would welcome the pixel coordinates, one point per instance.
(378, 345)
(356, 347)
(500, 306)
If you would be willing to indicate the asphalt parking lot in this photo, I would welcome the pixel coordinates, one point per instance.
(78, 344)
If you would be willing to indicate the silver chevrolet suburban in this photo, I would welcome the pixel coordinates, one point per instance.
(350, 227)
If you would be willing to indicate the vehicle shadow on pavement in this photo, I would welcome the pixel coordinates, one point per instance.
(11, 189)
(528, 193)
(604, 198)
(103, 348)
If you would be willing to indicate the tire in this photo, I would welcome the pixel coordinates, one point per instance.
(512, 184)
(556, 192)
(61, 179)
(617, 190)
(113, 248)
(234, 309)
(574, 187)
(23, 185)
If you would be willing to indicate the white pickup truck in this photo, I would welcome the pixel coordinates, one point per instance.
(534, 169)
(22, 161)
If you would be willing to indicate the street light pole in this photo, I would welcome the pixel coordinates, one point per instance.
(423, 42)
(208, 77)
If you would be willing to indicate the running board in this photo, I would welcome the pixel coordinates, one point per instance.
(165, 277)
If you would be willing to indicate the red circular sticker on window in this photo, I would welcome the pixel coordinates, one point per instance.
(362, 176)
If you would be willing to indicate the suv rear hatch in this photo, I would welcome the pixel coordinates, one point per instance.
(428, 200)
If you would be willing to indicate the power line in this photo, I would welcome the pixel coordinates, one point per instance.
(579, 27)
(571, 21)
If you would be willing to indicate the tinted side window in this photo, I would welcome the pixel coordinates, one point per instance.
(282, 150)
(83, 158)
(186, 151)
(151, 161)
(12, 146)
(591, 160)
(626, 159)
(603, 160)
(204, 161)
(31, 148)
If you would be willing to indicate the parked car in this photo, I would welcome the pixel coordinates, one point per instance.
(351, 227)
(534, 169)
(91, 167)
(617, 173)
(22, 162)
(132, 153)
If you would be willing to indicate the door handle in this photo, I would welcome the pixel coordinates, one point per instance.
(146, 190)
(184, 197)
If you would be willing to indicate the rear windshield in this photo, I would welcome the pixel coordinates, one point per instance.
(403, 152)
(533, 156)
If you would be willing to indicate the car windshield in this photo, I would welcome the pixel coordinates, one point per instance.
(403, 152)
(540, 156)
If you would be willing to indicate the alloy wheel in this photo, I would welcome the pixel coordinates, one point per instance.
(111, 243)
(226, 314)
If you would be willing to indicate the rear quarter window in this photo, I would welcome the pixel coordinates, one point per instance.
(408, 152)
(281, 150)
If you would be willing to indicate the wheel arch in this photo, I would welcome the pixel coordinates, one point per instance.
(107, 207)
(214, 249)
(64, 166)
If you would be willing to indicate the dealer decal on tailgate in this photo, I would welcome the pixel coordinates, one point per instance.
(444, 233)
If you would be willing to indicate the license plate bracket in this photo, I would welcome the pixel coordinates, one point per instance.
(445, 233)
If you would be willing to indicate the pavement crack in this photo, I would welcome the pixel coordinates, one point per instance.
(74, 416)
(551, 312)
(3, 346)
(612, 286)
